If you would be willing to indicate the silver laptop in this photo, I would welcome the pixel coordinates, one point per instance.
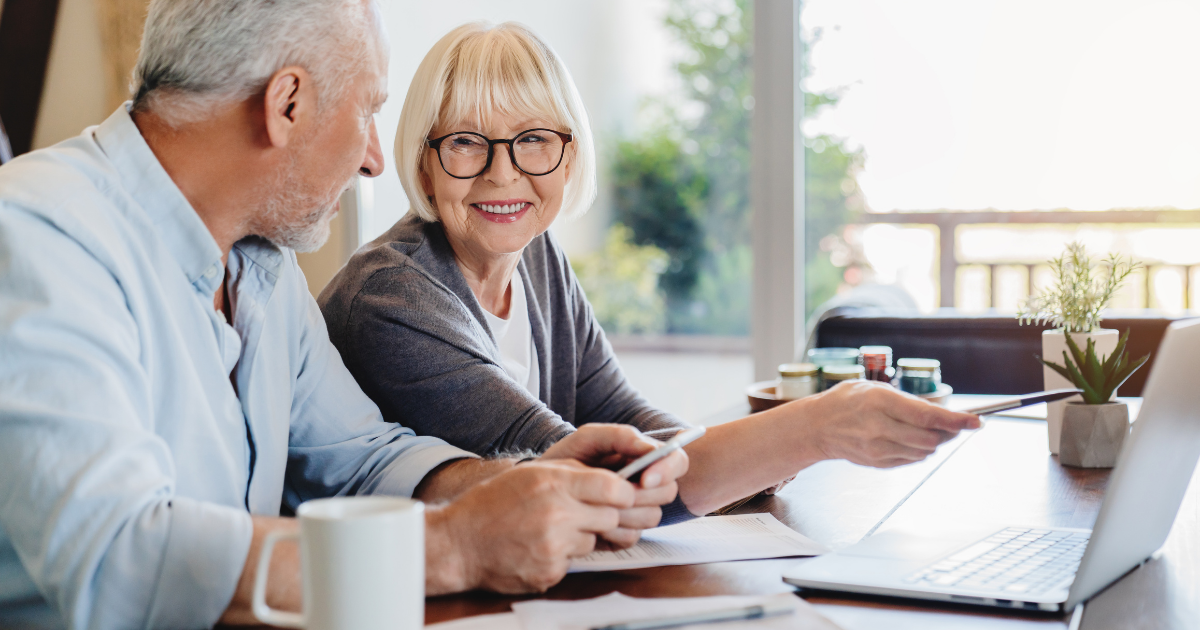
(1049, 568)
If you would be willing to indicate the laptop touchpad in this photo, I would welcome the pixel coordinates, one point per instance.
(904, 546)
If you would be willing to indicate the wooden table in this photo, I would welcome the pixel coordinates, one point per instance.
(1001, 474)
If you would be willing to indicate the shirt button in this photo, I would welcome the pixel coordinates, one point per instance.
(211, 272)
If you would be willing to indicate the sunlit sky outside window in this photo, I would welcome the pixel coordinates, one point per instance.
(1014, 104)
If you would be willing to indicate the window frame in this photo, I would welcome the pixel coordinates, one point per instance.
(777, 189)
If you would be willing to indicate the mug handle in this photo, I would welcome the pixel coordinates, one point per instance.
(262, 611)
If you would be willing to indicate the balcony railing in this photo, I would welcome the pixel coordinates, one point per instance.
(948, 224)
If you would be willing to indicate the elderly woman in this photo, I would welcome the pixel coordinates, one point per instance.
(465, 321)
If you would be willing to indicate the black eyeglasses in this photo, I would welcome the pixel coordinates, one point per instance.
(466, 154)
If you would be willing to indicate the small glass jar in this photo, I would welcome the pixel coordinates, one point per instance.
(877, 361)
(796, 380)
(822, 357)
(833, 374)
(919, 376)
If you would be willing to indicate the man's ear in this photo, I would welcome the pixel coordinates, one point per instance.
(289, 104)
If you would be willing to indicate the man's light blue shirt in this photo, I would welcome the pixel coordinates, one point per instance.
(129, 463)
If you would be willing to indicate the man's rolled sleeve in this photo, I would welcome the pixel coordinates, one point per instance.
(423, 455)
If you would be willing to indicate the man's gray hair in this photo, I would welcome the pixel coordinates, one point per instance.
(200, 56)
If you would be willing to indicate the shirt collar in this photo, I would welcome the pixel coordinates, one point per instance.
(182, 231)
(261, 252)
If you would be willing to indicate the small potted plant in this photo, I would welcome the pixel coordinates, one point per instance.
(1083, 287)
(1094, 430)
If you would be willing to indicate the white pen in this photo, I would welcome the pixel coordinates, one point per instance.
(728, 614)
(681, 439)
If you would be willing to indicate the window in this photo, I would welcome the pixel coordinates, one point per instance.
(953, 147)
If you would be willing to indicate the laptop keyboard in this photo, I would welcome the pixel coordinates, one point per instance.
(1017, 561)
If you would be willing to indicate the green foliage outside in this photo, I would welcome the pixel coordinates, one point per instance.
(683, 186)
(832, 198)
(657, 197)
(621, 282)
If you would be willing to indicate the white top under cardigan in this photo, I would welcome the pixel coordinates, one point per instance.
(515, 338)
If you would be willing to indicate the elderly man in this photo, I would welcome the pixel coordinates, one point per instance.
(167, 386)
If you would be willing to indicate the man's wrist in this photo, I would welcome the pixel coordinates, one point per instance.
(447, 565)
(453, 478)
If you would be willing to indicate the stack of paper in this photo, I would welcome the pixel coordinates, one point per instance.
(616, 608)
(708, 539)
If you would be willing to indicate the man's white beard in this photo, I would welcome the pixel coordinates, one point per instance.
(280, 224)
(304, 234)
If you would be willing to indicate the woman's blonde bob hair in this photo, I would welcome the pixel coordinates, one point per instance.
(476, 72)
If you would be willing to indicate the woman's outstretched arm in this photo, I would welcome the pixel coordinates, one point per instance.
(866, 423)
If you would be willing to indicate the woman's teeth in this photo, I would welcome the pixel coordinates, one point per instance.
(494, 209)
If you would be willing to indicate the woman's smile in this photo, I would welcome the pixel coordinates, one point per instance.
(502, 211)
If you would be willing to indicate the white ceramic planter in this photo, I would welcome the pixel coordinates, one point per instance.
(1054, 343)
(1092, 435)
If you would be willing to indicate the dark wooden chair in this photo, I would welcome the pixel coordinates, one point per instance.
(980, 354)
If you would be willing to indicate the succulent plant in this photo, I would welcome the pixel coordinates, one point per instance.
(1097, 377)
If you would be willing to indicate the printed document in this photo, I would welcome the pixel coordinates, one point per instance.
(707, 539)
(583, 614)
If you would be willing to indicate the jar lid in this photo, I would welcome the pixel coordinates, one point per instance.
(789, 370)
(876, 350)
(833, 356)
(842, 372)
(920, 365)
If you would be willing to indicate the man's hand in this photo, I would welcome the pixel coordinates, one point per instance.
(612, 446)
(872, 424)
(517, 532)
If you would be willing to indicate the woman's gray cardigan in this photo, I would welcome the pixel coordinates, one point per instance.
(412, 332)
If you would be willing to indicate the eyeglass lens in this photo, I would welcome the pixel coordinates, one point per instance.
(536, 152)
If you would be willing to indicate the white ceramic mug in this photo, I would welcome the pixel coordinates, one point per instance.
(363, 562)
